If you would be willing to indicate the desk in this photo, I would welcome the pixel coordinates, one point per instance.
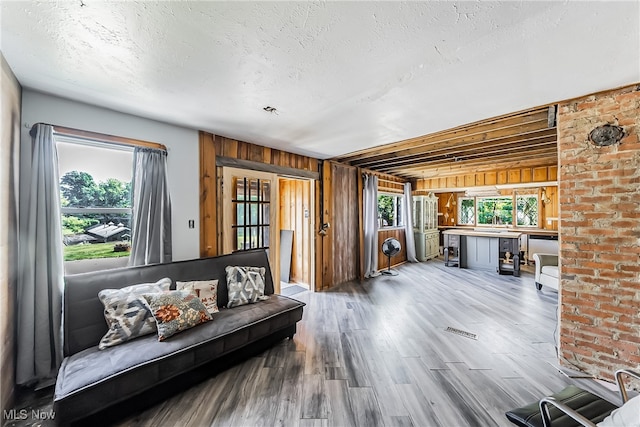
(483, 250)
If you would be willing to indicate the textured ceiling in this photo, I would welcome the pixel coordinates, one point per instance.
(343, 76)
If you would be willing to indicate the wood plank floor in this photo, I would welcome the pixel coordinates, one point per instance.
(377, 354)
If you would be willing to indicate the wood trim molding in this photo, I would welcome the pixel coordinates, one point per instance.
(264, 167)
(208, 197)
(106, 138)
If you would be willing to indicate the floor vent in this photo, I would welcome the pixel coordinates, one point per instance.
(462, 333)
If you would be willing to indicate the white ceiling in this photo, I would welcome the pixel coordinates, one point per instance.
(343, 76)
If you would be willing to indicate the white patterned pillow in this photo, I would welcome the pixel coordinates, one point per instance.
(126, 313)
(245, 285)
(206, 290)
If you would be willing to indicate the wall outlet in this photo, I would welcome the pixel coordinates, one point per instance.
(192, 224)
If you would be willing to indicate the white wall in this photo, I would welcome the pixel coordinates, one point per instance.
(181, 143)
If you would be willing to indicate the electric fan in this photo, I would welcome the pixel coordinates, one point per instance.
(390, 247)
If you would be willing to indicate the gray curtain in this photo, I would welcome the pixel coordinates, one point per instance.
(151, 231)
(370, 218)
(40, 261)
(408, 224)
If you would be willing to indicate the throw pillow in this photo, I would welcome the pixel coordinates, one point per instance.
(206, 290)
(126, 312)
(176, 311)
(245, 285)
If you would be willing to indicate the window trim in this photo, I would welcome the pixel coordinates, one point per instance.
(478, 224)
(459, 203)
(398, 218)
(514, 218)
(102, 141)
(535, 196)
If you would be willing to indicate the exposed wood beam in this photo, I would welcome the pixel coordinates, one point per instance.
(480, 157)
(539, 115)
(446, 171)
(506, 162)
(458, 151)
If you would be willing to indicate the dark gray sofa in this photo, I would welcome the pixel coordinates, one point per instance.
(91, 380)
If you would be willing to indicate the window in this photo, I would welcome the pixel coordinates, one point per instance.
(390, 210)
(251, 202)
(95, 198)
(527, 210)
(467, 211)
(495, 210)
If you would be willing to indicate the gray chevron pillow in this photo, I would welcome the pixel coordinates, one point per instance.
(127, 314)
(245, 285)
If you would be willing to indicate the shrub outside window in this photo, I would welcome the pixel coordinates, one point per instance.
(390, 210)
(495, 210)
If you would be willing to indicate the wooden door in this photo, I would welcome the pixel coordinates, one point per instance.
(250, 214)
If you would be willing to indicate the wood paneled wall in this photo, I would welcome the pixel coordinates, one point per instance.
(401, 257)
(505, 176)
(215, 146)
(295, 214)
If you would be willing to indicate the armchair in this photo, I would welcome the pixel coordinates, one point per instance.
(547, 271)
(576, 407)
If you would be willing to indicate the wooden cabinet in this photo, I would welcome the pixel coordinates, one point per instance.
(480, 250)
(432, 244)
(425, 226)
(509, 258)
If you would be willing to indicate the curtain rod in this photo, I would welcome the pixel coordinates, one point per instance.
(101, 136)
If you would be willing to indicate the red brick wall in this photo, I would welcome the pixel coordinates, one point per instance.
(600, 234)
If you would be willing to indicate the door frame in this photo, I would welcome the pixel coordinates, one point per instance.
(228, 173)
(312, 224)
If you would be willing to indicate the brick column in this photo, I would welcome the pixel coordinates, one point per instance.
(599, 198)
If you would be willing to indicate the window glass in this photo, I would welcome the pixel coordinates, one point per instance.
(527, 210)
(95, 198)
(390, 210)
(495, 210)
(467, 211)
(251, 220)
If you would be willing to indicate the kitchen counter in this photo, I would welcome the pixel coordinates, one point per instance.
(497, 249)
(467, 232)
(535, 231)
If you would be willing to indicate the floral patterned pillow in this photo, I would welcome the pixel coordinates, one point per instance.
(126, 313)
(176, 311)
(206, 290)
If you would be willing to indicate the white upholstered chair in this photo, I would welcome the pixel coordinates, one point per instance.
(547, 273)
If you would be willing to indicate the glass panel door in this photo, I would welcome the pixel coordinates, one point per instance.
(248, 213)
(251, 206)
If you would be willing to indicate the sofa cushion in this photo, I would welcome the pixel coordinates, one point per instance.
(206, 290)
(93, 379)
(176, 311)
(126, 313)
(550, 270)
(584, 402)
(245, 284)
